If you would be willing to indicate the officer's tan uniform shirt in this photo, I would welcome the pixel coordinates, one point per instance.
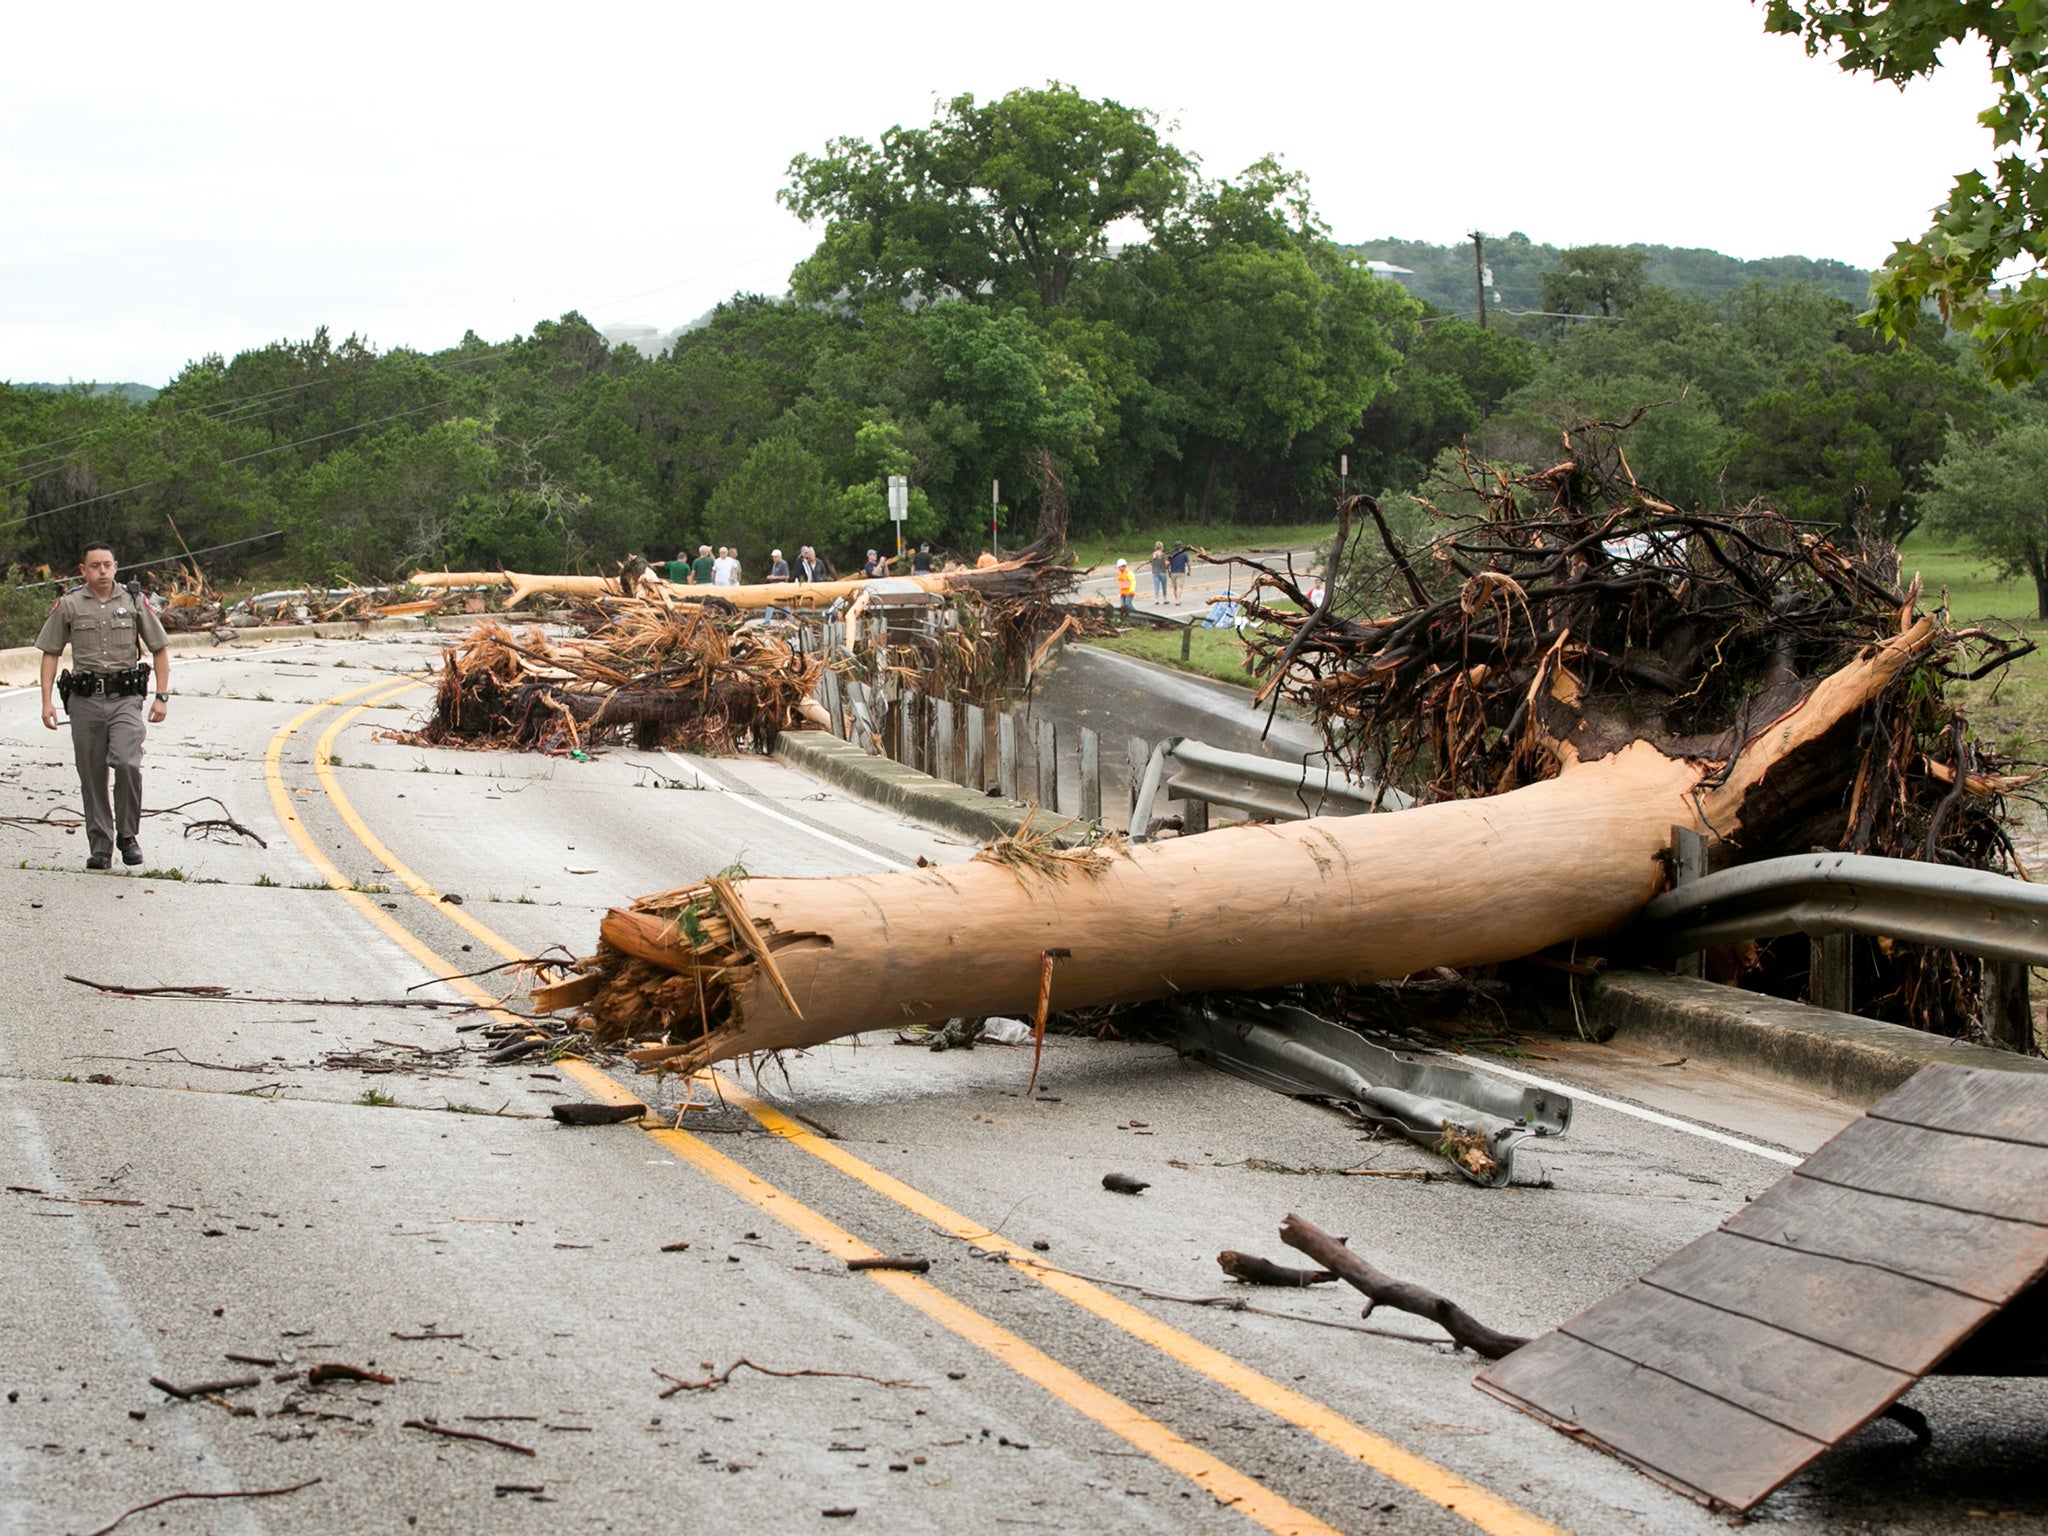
(102, 634)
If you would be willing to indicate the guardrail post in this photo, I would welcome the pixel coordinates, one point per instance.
(1091, 775)
(1048, 764)
(1006, 754)
(1688, 863)
(1141, 753)
(1187, 638)
(973, 772)
(1829, 980)
(1194, 817)
(944, 764)
(828, 698)
(2007, 1017)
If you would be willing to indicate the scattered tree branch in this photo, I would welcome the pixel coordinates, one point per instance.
(172, 1498)
(1383, 1290)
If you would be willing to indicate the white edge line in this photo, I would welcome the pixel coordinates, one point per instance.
(753, 803)
(1669, 1122)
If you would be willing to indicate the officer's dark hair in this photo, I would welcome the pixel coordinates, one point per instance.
(86, 553)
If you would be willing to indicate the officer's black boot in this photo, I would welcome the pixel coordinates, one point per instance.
(131, 850)
(99, 861)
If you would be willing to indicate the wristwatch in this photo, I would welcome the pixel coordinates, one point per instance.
(163, 698)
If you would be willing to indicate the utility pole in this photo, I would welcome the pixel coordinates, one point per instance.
(1479, 273)
(995, 502)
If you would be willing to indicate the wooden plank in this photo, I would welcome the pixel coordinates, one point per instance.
(973, 770)
(1978, 1255)
(1965, 1173)
(1831, 971)
(1888, 1318)
(1791, 1381)
(1683, 1437)
(1091, 775)
(1006, 754)
(1973, 1101)
(945, 760)
(1048, 764)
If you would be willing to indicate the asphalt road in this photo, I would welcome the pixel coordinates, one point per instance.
(299, 1179)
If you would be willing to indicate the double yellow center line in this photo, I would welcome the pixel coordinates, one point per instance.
(1258, 1503)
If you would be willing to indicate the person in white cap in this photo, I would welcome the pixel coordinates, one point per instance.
(778, 568)
(1126, 585)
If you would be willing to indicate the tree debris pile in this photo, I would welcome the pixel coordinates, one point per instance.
(1569, 614)
(654, 674)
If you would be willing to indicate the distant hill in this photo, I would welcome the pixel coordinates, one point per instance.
(1443, 274)
(139, 394)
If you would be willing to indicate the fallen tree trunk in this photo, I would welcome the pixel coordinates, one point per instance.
(753, 597)
(725, 968)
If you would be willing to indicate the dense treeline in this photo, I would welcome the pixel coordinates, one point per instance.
(1447, 275)
(1038, 291)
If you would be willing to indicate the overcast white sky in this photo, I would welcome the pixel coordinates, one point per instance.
(176, 180)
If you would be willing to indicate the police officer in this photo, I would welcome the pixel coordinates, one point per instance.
(107, 630)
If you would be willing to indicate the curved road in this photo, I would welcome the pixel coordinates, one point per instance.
(291, 1177)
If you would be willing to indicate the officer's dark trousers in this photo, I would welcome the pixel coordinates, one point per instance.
(107, 733)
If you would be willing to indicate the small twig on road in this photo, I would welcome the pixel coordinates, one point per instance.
(724, 1378)
(220, 994)
(25, 1189)
(205, 1388)
(1221, 1303)
(1253, 1270)
(1381, 1289)
(334, 1370)
(172, 1498)
(469, 1434)
(883, 1261)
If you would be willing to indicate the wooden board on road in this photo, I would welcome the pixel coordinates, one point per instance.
(1747, 1354)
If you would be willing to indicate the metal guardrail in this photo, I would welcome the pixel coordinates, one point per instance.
(1971, 910)
(1264, 786)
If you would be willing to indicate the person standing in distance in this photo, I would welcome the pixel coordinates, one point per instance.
(107, 631)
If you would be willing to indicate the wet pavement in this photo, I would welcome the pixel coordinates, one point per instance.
(302, 1179)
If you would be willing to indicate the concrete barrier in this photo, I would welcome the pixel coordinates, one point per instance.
(886, 782)
(1855, 1060)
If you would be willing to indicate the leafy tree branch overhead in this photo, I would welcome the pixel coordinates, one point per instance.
(1980, 263)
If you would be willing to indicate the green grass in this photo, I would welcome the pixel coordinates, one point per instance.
(1135, 545)
(2008, 710)
(161, 874)
(266, 881)
(372, 1099)
(1217, 653)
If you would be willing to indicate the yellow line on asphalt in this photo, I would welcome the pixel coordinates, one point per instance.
(329, 871)
(322, 752)
(1225, 1483)
(1250, 1498)
(1439, 1484)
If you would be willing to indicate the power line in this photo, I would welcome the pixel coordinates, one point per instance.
(37, 468)
(143, 485)
(143, 565)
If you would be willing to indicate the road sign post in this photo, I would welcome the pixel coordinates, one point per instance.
(899, 507)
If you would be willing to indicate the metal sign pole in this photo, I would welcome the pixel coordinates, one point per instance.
(995, 538)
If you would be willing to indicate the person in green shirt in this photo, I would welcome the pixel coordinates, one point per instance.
(700, 568)
(678, 569)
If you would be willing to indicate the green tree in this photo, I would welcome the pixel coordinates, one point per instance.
(1992, 495)
(777, 498)
(1988, 224)
(1606, 279)
(998, 199)
(1855, 429)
